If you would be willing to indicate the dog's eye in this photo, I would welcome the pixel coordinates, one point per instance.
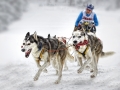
(28, 44)
(73, 36)
(23, 43)
(79, 36)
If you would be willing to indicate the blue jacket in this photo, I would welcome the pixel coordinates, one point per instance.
(80, 18)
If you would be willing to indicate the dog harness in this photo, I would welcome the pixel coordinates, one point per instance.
(81, 44)
(84, 53)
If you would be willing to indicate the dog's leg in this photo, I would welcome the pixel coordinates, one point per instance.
(60, 67)
(65, 65)
(84, 65)
(55, 63)
(94, 65)
(38, 65)
(40, 70)
(56, 72)
(79, 60)
(75, 56)
(89, 60)
(91, 67)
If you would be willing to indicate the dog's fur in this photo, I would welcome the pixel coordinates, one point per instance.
(61, 39)
(53, 52)
(93, 52)
(69, 48)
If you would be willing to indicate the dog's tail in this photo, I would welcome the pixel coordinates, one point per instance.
(69, 57)
(106, 54)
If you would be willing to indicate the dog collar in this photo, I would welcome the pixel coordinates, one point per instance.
(77, 46)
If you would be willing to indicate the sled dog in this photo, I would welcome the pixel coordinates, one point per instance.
(49, 50)
(89, 48)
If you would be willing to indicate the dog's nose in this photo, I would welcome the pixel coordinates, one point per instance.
(23, 50)
(74, 42)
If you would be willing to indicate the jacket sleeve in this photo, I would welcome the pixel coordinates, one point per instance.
(96, 20)
(79, 18)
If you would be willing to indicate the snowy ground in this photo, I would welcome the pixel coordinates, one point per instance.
(17, 72)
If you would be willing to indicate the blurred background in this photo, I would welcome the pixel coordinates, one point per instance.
(12, 10)
(56, 17)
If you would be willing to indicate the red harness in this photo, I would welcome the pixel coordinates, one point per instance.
(77, 46)
(64, 40)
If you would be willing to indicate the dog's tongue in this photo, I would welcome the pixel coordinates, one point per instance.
(27, 53)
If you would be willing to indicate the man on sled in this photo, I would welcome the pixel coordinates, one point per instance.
(87, 19)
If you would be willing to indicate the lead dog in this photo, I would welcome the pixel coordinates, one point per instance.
(90, 48)
(50, 51)
(61, 39)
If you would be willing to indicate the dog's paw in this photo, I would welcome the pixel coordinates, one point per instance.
(79, 71)
(57, 82)
(91, 71)
(36, 77)
(45, 71)
(92, 76)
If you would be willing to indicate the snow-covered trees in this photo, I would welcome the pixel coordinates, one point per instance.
(106, 4)
(11, 10)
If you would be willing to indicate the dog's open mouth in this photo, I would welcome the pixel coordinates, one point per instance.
(28, 53)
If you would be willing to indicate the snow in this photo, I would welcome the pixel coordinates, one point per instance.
(17, 72)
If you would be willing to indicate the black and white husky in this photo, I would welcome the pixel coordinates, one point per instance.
(49, 50)
(90, 48)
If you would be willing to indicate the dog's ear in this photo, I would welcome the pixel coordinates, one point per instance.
(48, 36)
(35, 36)
(54, 36)
(83, 33)
(28, 34)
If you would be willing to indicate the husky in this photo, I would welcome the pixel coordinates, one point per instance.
(27, 53)
(89, 48)
(49, 50)
(61, 39)
(69, 48)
